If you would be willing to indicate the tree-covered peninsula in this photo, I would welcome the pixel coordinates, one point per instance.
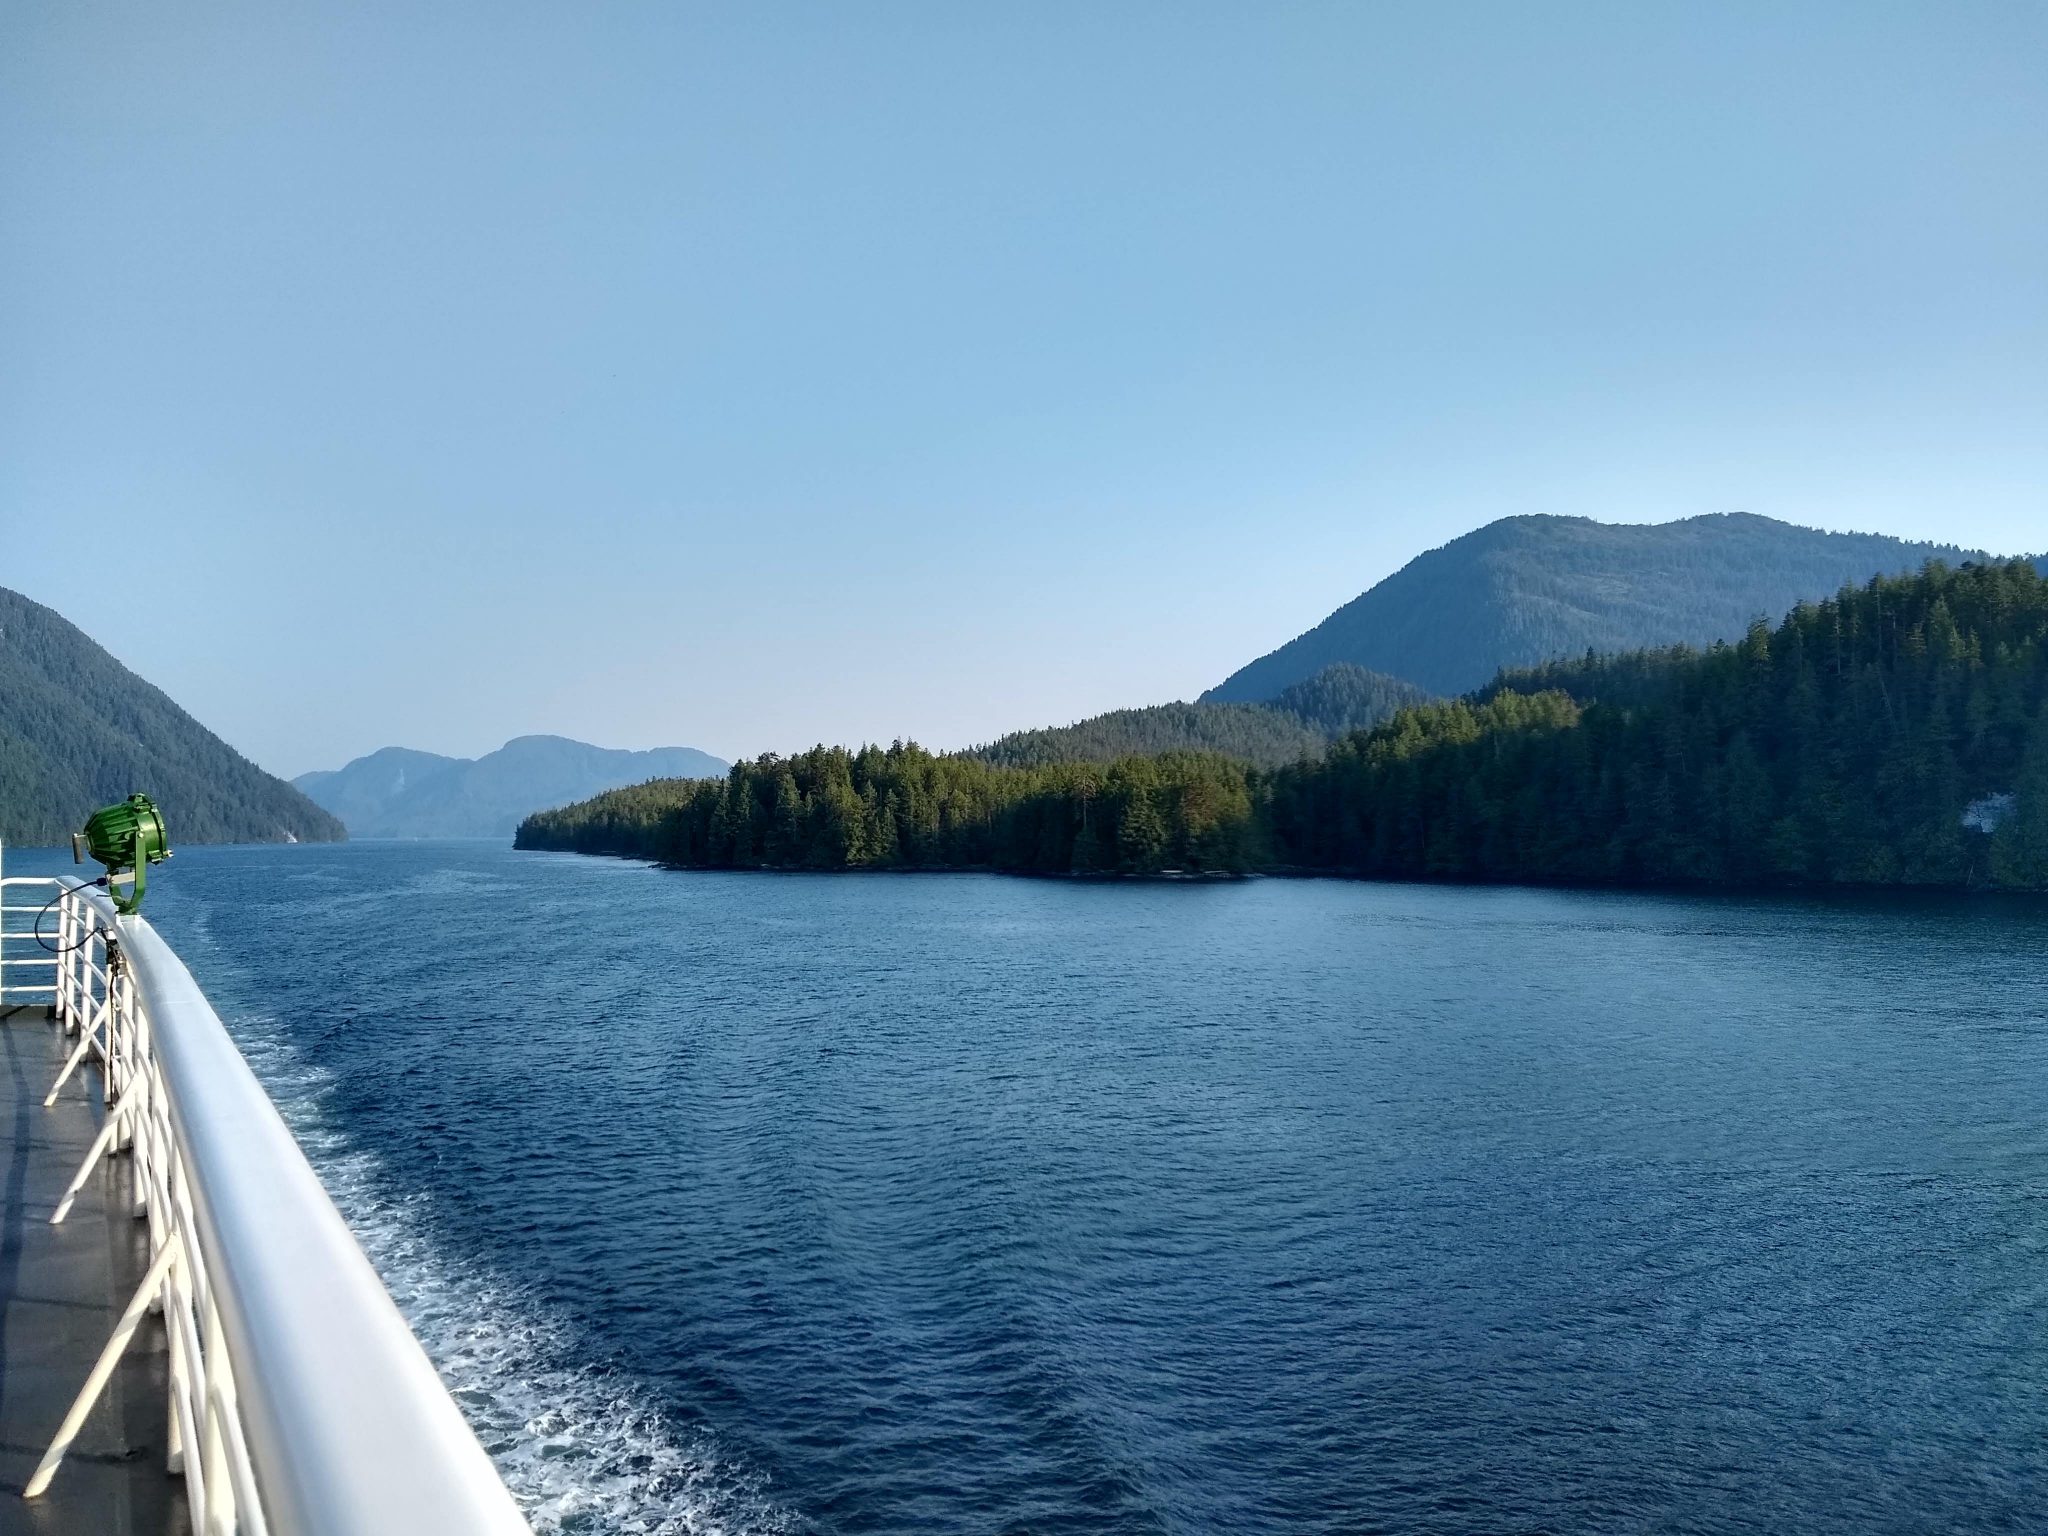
(1896, 734)
(902, 807)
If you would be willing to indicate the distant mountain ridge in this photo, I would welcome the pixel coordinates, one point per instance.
(78, 731)
(398, 792)
(1526, 590)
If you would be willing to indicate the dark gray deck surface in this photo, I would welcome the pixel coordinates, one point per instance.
(61, 1290)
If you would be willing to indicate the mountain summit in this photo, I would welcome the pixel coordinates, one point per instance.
(397, 792)
(1526, 590)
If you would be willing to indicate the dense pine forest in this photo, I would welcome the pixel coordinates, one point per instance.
(78, 730)
(1896, 734)
(1298, 723)
(902, 807)
(1251, 733)
(1345, 697)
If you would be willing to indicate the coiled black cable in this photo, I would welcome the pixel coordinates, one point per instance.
(84, 939)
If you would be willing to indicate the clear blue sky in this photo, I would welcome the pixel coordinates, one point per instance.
(747, 375)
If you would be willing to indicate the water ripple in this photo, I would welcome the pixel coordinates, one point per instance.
(967, 1205)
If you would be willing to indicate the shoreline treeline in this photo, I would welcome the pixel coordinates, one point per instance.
(901, 807)
(1896, 734)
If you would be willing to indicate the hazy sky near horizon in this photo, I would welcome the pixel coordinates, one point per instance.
(748, 376)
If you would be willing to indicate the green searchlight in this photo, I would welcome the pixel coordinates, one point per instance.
(127, 838)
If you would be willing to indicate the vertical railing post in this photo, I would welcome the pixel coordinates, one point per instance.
(91, 953)
(218, 1517)
(81, 978)
(61, 1002)
(121, 1055)
(60, 998)
(81, 1017)
(73, 959)
(188, 1430)
(142, 1124)
(176, 1295)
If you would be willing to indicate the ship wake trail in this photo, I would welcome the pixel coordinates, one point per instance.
(583, 1448)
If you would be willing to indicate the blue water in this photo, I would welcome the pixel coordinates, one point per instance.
(965, 1204)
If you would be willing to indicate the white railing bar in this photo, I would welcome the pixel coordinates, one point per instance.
(10, 961)
(110, 1356)
(348, 1429)
(295, 1391)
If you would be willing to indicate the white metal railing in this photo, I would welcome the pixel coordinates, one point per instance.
(300, 1403)
(19, 960)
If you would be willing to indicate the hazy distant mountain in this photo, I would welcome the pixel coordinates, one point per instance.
(1296, 724)
(1527, 589)
(360, 793)
(397, 792)
(78, 731)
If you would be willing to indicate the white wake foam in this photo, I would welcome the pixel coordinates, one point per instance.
(585, 1452)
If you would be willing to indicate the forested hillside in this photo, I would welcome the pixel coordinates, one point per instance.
(78, 730)
(1298, 723)
(1524, 590)
(1251, 733)
(1346, 697)
(1896, 734)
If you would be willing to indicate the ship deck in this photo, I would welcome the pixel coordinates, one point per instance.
(62, 1289)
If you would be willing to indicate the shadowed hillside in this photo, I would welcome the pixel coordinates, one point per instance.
(1298, 723)
(1526, 590)
(78, 731)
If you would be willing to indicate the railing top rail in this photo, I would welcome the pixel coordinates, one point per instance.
(350, 1431)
